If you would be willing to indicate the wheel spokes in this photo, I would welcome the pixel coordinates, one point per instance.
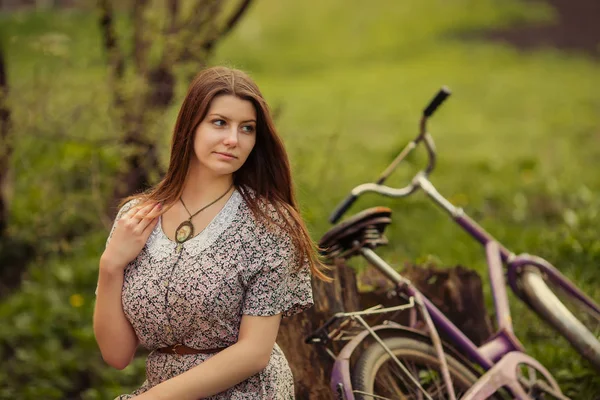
(392, 383)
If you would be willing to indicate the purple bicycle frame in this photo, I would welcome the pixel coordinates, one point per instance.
(503, 352)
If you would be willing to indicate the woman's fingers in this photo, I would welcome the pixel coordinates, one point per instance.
(137, 218)
(150, 227)
(133, 211)
(131, 232)
(144, 210)
(146, 215)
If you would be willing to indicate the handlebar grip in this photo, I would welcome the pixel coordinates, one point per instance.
(342, 208)
(437, 101)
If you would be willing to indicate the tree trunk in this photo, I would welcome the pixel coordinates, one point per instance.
(14, 254)
(5, 143)
(310, 364)
(140, 163)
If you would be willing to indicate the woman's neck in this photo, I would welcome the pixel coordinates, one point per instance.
(199, 190)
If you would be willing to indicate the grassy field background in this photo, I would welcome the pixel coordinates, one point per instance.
(518, 144)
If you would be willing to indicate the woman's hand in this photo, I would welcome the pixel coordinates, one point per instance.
(130, 235)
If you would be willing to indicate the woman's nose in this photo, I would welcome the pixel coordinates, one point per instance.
(232, 137)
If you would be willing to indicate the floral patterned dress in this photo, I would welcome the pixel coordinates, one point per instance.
(196, 293)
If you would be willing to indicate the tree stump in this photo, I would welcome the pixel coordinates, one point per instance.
(456, 291)
(310, 364)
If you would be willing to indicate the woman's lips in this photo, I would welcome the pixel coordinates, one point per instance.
(225, 156)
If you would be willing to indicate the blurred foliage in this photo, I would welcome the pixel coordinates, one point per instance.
(46, 340)
(516, 141)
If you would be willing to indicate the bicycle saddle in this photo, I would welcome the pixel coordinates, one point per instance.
(363, 229)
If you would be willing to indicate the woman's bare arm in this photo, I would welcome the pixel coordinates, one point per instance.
(247, 357)
(114, 334)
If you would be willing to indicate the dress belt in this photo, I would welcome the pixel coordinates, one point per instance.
(181, 349)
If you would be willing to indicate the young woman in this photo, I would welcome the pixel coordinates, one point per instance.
(201, 268)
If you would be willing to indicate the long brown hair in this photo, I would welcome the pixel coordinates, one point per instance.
(266, 171)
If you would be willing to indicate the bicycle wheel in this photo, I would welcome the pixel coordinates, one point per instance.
(377, 376)
(572, 319)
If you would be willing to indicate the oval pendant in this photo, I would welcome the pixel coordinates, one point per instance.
(184, 231)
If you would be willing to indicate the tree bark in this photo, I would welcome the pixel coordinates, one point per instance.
(14, 255)
(116, 60)
(144, 158)
(5, 143)
(310, 364)
(241, 9)
(140, 41)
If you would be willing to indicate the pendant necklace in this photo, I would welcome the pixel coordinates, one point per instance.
(185, 230)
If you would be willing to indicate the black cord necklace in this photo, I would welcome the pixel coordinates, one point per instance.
(185, 230)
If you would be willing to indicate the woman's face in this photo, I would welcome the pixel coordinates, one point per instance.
(226, 136)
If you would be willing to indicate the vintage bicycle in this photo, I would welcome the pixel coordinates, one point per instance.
(398, 361)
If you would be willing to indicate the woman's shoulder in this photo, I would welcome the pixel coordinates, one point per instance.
(128, 205)
(268, 230)
(265, 213)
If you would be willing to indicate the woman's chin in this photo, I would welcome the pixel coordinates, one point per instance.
(223, 171)
(217, 169)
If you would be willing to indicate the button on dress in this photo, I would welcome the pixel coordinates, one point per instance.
(196, 293)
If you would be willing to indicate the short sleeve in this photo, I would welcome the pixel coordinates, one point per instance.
(275, 284)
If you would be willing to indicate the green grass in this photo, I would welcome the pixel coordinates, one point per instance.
(517, 141)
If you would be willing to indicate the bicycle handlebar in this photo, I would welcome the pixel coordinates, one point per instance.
(437, 101)
(378, 186)
(342, 208)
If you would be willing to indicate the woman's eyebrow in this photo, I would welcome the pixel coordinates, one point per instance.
(228, 119)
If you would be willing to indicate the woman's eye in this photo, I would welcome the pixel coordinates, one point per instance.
(248, 128)
(218, 122)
